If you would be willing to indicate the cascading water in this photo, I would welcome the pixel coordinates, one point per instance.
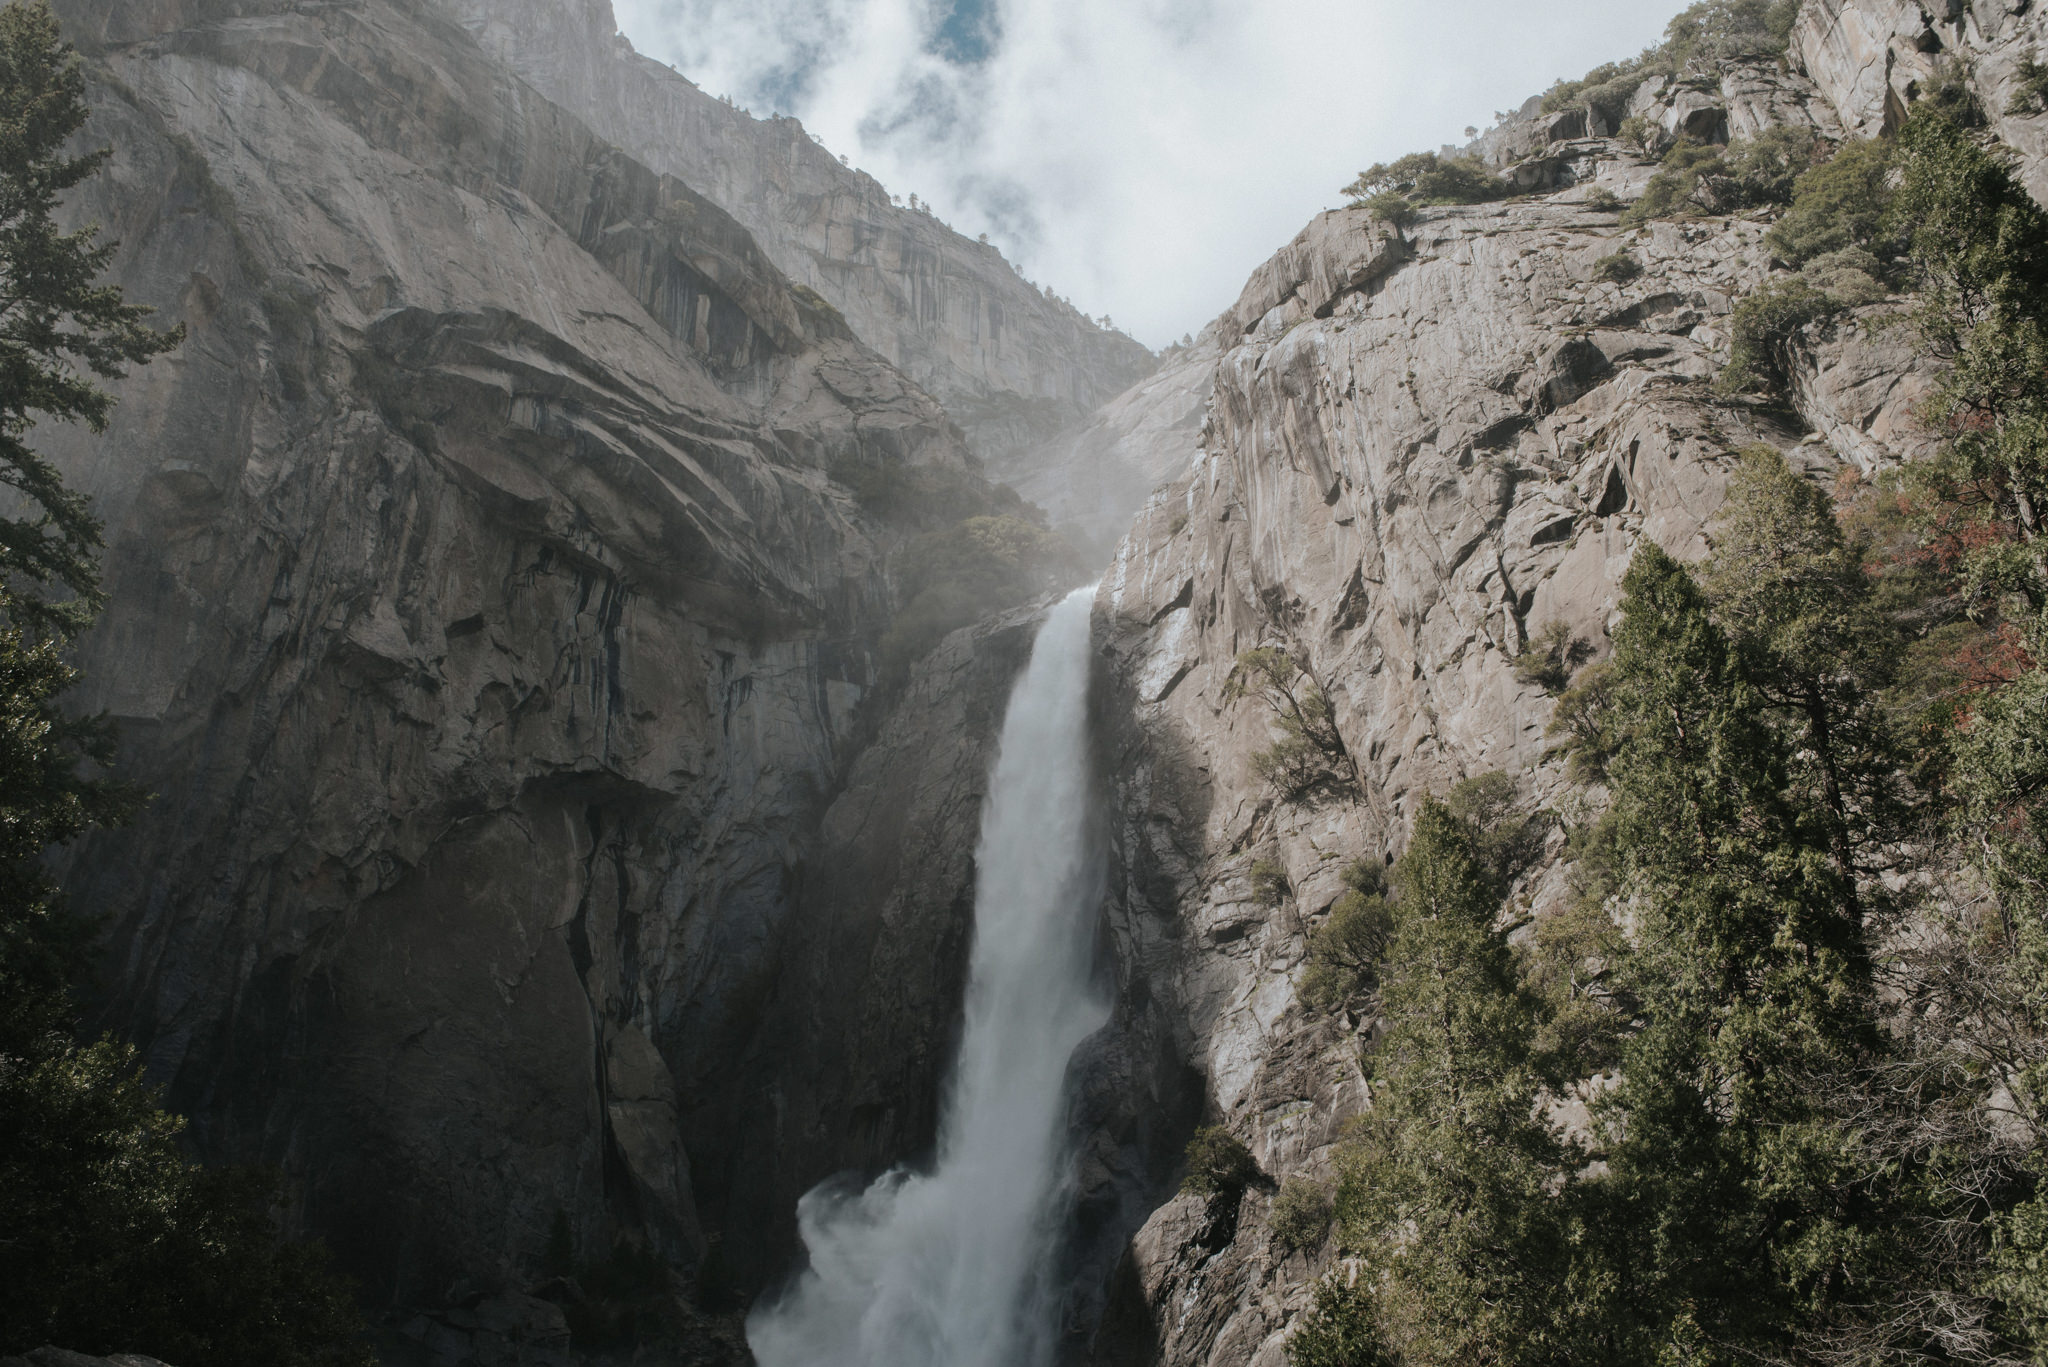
(948, 1269)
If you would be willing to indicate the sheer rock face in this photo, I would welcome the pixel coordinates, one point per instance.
(1421, 448)
(1013, 367)
(491, 636)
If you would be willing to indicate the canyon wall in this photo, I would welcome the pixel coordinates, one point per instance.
(1421, 447)
(498, 642)
(498, 648)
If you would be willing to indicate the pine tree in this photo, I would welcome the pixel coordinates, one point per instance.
(1747, 1207)
(1449, 1190)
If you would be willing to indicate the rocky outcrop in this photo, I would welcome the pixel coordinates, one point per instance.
(1422, 448)
(494, 637)
(1013, 365)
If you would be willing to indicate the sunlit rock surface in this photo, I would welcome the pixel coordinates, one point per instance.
(1422, 447)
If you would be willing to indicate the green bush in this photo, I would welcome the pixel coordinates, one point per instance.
(1551, 656)
(1345, 951)
(1851, 277)
(1389, 206)
(1423, 178)
(1504, 841)
(1604, 201)
(1269, 882)
(1342, 1331)
(1638, 132)
(1309, 760)
(1697, 178)
(2030, 95)
(1763, 328)
(1838, 204)
(1219, 1165)
(1301, 1215)
(1729, 30)
(1950, 93)
(1617, 268)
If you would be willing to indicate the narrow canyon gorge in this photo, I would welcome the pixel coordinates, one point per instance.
(555, 821)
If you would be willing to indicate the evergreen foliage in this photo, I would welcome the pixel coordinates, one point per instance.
(1301, 1215)
(1836, 205)
(1446, 1190)
(1309, 760)
(1220, 1167)
(1423, 178)
(1698, 178)
(1617, 268)
(1345, 951)
(60, 329)
(1552, 655)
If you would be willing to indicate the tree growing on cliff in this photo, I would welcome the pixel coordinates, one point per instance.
(1450, 1187)
(1310, 758)
(110, 1240)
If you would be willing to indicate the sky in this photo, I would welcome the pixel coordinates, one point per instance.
(1139, 157)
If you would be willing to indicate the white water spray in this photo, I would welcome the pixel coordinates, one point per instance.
(948, 1269)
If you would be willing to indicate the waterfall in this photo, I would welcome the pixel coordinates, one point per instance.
(949, 1268)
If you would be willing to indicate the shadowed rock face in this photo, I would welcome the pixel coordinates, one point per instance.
(491, 636)
(1012, 366)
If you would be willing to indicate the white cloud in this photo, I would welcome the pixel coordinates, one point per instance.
(1139, 156)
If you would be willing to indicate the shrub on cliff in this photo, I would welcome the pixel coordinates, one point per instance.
(1220, 1167)
(1836, 205)
(1342, 1330)
(2030, 89)
(1423, 178)
(1344, 952)
(109, 1239)
(1309, 760)
(1708, 32)
(1617, 268)
(1553, 653)
(1301, 1215)
(1696, 178)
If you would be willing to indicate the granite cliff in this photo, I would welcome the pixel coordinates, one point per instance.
(494, 630)
(1424, 445)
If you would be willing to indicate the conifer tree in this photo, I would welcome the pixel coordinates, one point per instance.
(1747, 1206)
(1449, 1189)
